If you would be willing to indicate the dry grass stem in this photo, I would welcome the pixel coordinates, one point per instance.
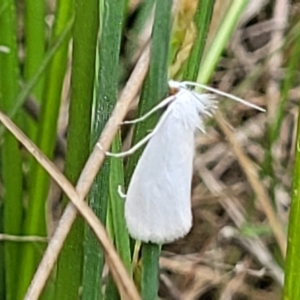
(122, 279)
(28, 238)
(280, 17)
(251, 173)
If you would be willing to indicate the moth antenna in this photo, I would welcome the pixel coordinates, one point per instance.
(247, 103)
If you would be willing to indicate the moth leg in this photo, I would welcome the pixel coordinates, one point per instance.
(120, 192)
(140, 143)
(153, 110)
(131, 150)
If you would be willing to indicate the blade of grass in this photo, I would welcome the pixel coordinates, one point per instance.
(106, 97)
(11, 159)
(34, 34)
(111, 291)
(2, 258)
(213, 54)
(117, 206)
(82, 82)
(155, 89)
(115, 215)
(150, 271)
(35, 222)
(35, 42)
(292, 264)
(117, 220)
(202, 21)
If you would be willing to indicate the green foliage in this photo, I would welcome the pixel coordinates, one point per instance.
(11, 164)
(292, 265)
(82, 84)
(103, 53)
(106, 94)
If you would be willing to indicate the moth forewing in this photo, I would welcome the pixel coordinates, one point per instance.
(158, 203)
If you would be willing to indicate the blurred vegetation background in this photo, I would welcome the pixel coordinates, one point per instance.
(63, 66)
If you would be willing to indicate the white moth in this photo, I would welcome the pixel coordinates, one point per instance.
(158, 201)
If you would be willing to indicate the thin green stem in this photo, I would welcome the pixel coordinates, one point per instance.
(154, 90)
(82, 83)
(202, 21)
(11, 160)
(106, 96)
(209, 61)
(292, 264)
(35, 27)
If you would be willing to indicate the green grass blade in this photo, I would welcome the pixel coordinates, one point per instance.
(35, 28)
(292, 264)
(35, 42)
(111, 291)
(106, 96)
(2, 258)
(154, 90)
(202, 21)
(29, 86)
(69, 270)
(11, 169)
(150, 271)
(35, 223)
(213, 54)
(117, 207)
(117, 220)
